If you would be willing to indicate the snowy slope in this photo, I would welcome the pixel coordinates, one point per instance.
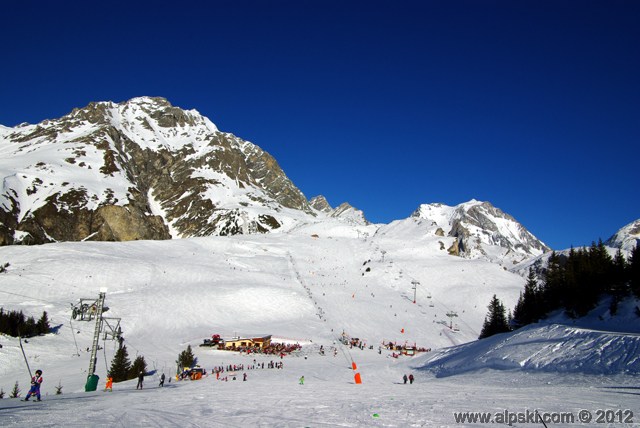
(552, 348)
(307, 286)
(311, 284)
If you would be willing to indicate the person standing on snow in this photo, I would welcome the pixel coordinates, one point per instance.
(109, 385)
(140, 380)
(404, 378)
(411, 379)
(301, 380)
(36, 381)
(162, 380)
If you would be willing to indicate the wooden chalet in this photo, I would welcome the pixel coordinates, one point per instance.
(261, 342)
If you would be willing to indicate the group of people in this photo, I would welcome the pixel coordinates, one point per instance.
(280, 349)
(395, 347)
(36, 381)
(410, 378)
(109, 382)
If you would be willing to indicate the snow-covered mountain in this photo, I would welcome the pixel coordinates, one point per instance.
(144, 169)
(141, 169)
(344, 211)
(480, 230)
(627, 238)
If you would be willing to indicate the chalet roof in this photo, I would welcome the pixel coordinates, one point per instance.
(247, 337)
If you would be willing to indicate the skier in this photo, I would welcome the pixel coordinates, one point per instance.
(301, 380)
(244, 377)
(162, 380)
(411, 379)
(36, 381)
(109, 385)
(140, 380)
(404, 378)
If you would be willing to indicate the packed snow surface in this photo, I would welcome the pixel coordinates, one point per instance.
(309, 286)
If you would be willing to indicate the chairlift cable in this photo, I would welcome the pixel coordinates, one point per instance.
(104, 351)
(29, 297)
(74, 338)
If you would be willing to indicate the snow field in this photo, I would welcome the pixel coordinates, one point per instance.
(170, 294)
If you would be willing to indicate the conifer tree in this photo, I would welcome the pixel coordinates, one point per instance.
(42, 326)
(553, 285)
(496, 320)
(15, 392)
(527, 309)
(634, 271)
(186, 358)
(29, 328)
(618, 283)
(4, 322)
(120, 365)
(139, 365)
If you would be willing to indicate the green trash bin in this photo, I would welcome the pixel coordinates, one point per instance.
(92, 383)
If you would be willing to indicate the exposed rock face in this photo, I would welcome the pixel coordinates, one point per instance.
(106, 223)
(480, 229)
(142, 169)
(350, 214)
(454, 249)
(320, 203)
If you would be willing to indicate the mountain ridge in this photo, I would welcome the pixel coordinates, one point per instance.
(133, 155)
(145, 169)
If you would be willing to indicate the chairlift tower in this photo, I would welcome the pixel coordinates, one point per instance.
(451, 315)
(96, 334)
(87, 310)
(415, 289)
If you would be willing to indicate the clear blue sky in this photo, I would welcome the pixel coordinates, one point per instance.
(531, 105)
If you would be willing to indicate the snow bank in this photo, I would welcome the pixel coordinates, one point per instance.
(548, 348)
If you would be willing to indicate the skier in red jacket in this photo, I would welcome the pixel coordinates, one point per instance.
(36, 381)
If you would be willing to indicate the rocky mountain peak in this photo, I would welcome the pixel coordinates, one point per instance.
(627, 238)
(320, 203)
(350, 214)
(345, 212)
(170, 171)
(481, 229)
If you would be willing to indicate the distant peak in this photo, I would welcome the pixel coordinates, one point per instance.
(158, 101)
(627, 238)
(320, 203)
